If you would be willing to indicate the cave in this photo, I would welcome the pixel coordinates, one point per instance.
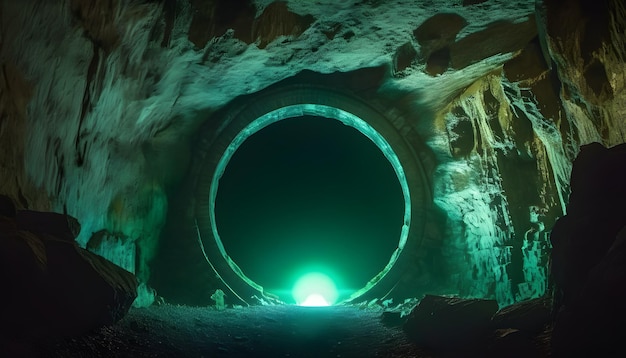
(435, 178)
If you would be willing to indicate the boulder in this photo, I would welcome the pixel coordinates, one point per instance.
(450, 323)
(592, 323)
(531, 316)
(61, 226)
(589, 257)
(51, 287)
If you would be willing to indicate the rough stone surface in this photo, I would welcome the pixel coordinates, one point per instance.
(260, 331)
(212, 19)
(438, 31)
(497, 37)
(586, 41)
(531, 316)
(276, 21)
(454, 327)
(404, 57)
(53, 288)
(60, 226)
(435, 35)
(472, 2)
(98, 20)
(447, 323)
(101, 102)
(589, 255)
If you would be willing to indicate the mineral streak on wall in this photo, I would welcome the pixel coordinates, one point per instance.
(100, 101)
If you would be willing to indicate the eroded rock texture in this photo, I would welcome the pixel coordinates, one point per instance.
(101, 104)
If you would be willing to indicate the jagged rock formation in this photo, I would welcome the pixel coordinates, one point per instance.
(105, 106)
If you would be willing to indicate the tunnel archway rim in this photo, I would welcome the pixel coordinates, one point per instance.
(314, 110)
(288, 102)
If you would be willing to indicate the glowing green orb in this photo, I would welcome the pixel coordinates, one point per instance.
(315, 289)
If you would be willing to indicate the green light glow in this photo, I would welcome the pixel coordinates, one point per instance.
(315, 300)
(347, 118)
(315, 289)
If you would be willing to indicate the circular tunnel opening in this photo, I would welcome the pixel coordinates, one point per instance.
(247, 116)
(309, 194)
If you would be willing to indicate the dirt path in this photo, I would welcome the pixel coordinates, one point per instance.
(260, 331)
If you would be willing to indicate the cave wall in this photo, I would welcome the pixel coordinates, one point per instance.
(100, 101)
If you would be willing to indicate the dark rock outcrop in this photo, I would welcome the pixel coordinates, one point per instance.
(404, 57)
(98, 21)
(435, 36)
(213, 18)
(589, 257)
(530, 316)
(277, 20)
(460, 327)
(581, 29)
(438, 32)
(497, 37)
(60, 226)
(443, 324)
(52, 288)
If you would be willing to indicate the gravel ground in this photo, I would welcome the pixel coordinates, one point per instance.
(258, 331)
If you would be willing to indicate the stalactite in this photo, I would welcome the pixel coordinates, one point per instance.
(548, 133)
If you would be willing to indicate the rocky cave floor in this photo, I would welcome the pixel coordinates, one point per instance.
(258, 331)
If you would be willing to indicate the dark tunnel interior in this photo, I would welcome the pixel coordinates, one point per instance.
(309, 194)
